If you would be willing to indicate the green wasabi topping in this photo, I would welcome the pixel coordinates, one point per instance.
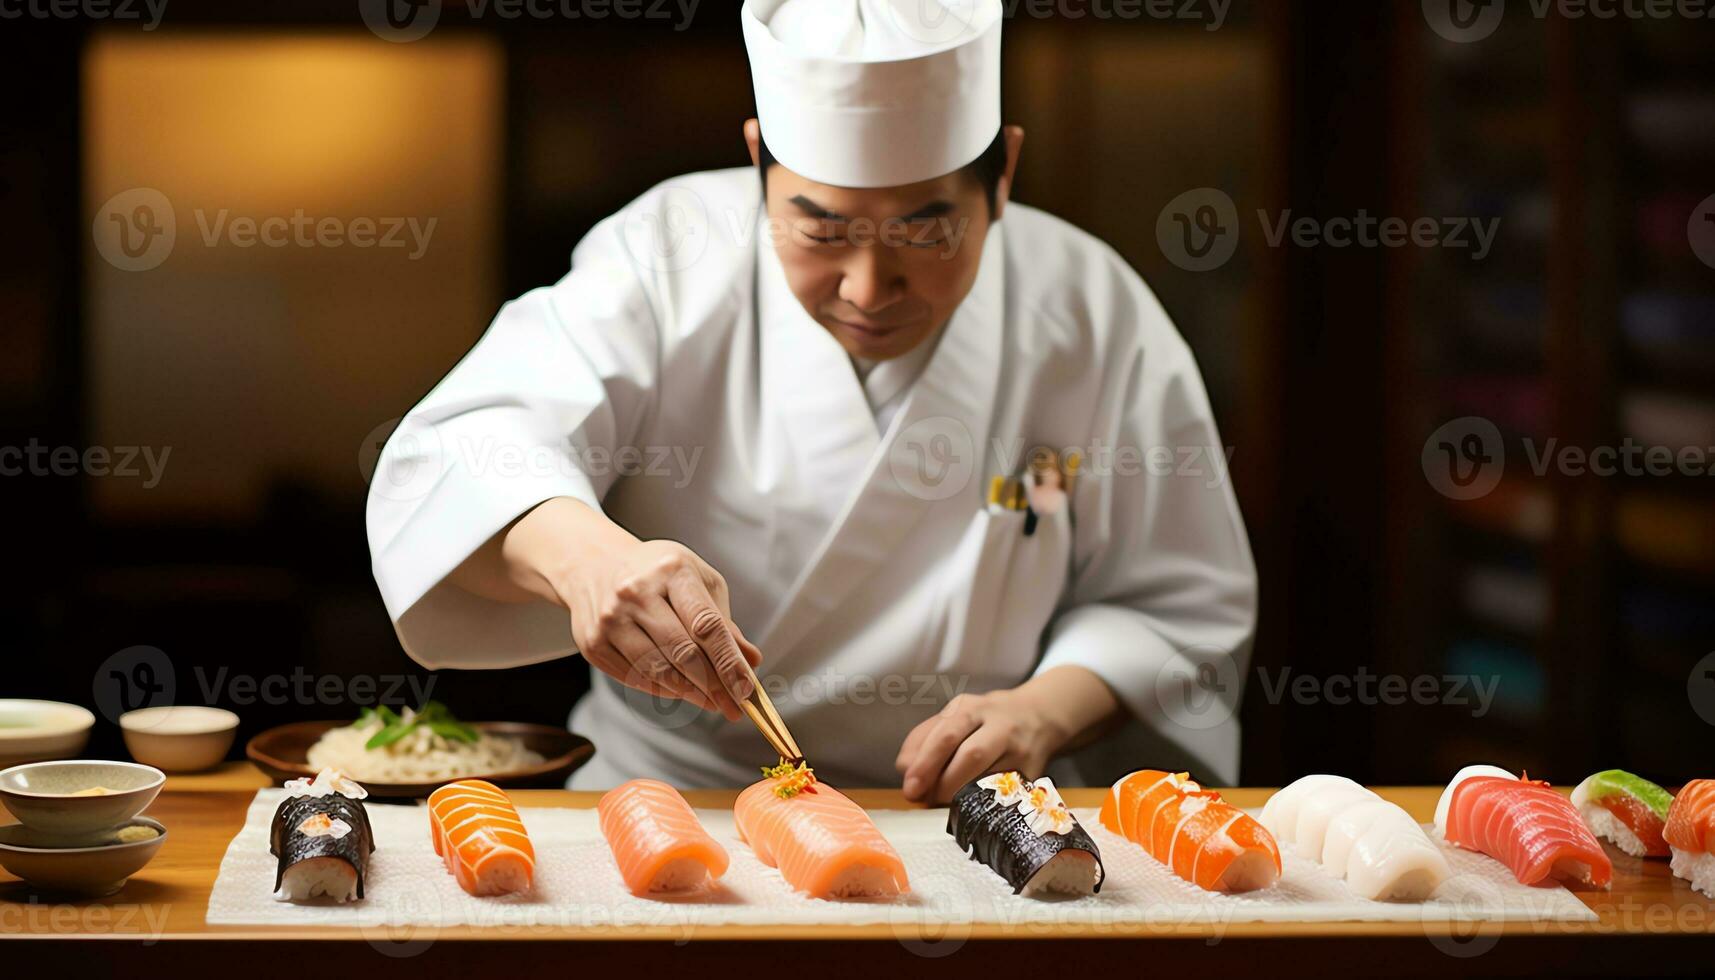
(1618, 782)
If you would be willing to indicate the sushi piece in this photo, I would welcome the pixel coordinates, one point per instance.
(1629, 810)
(321, 835)
(1382, 852)
(1690, 835)
(657, 840)
(823, 844)
(477, 831)
(1446, 800)
(1202, 838)
(1526, 825)
(1025, 833)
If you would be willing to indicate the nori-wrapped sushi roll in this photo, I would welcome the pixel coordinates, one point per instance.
(1025, 833)
(322, 838)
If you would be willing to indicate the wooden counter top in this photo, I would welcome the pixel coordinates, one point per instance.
(1649, 920)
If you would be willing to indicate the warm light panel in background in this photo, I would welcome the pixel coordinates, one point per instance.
(255, 362)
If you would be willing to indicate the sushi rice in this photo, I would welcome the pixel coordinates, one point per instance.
(1696, 867)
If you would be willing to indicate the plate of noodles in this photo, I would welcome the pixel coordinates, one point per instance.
(411, 752)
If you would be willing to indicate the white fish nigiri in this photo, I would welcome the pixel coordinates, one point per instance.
(1319, 810)
(1375, 845)
(1446, 800)
(1281, 812)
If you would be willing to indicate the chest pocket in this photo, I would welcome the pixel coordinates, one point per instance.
(1005, 586)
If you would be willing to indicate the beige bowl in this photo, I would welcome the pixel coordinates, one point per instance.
(43, 796)
(31, 731)
(83, 871)
(179, 737)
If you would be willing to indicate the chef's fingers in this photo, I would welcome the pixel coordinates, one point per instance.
(956, 724)
(649, 670)
(669, 636)
(751, 653)
(696, 609)
(715, 582)
(908, 750)
(978, 756)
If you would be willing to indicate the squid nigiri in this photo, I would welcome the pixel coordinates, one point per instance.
(1375, 845)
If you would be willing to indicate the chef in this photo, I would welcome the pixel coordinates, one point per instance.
(776, 425)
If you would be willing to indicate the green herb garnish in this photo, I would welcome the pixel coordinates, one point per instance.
(433, 715)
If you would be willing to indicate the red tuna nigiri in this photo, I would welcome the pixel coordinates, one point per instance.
(1527, 826)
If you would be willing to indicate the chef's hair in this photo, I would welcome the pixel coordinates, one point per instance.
(987, 168)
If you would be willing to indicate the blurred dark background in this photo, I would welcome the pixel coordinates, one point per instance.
(269, 375)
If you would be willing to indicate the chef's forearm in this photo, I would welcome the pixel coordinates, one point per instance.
(521, 562)
(1077, 705)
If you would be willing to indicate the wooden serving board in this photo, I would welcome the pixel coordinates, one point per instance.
(157, 922)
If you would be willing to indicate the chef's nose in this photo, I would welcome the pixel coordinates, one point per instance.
(871, 280)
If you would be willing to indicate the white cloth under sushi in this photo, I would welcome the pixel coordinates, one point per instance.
(409, 893)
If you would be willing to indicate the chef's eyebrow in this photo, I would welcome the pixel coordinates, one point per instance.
(934, 209)
(814, 210)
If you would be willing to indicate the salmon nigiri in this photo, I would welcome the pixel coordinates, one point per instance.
(657, 840)
(1524, 824)
(1201, 837)
(1690, 834)
(822, 842)
(477, 831)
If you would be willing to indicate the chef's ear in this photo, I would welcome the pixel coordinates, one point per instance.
(753, 139)
(1014, 136)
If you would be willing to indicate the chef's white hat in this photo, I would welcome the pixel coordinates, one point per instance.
(875, 93)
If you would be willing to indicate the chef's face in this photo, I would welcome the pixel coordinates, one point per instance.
(881, 269)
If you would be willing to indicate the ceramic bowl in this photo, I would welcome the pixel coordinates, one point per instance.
(179, 737)
(101, 869)
(42, 795)
(31, 731)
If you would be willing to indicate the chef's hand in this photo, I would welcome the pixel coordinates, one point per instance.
(650, 614)
(1020, 729)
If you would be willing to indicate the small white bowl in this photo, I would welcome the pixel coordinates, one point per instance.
(83, 871)
(31, 731)
(179, 737)
(42, 796)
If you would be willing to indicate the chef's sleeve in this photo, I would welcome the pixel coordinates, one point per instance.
(1162, 603)
(534, 411)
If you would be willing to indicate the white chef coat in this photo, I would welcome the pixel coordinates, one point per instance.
(691, 397)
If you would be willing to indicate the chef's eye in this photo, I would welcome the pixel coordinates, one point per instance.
(822, 233)
(923, 236)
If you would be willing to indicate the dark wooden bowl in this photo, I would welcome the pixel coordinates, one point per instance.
(282, 753)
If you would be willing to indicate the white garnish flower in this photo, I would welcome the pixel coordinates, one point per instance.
(1008, 787)
(1052, 820)
(327, 782)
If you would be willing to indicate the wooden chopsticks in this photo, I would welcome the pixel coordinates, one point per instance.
(767, 720)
